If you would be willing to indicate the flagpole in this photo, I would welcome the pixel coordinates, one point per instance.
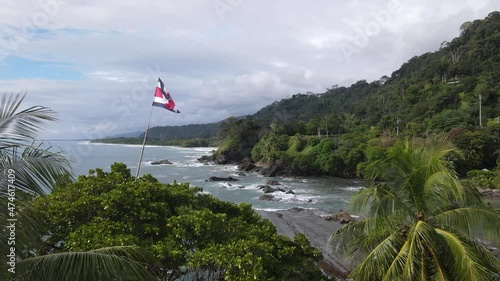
(144, 143)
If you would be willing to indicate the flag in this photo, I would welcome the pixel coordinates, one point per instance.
(163, 99)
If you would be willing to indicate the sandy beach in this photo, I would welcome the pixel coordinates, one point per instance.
(311, 223)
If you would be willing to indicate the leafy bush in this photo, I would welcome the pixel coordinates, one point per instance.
(190, 233)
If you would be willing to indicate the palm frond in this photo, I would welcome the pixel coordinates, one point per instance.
(376, 263)
(116, 263)
(357, 239)
(18, 128)
(475, 222)
(37, 169)
(471, 261)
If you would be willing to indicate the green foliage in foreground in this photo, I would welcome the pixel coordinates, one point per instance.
(421, 223)
(188, 232)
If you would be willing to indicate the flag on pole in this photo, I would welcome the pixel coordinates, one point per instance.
(163, 99)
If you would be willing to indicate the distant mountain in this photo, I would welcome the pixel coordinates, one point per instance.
(125, 135)
(183, 132)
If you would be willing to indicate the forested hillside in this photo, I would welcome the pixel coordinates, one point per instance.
(422, 94)
(345, 130)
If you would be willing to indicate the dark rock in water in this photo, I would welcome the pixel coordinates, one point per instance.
(268, 189)
(246, 165)
(267, 197)
(241, 174)
(273, 182)
(206, 158)
(275, 171)
(290, 192)
(161, 162)
(342, 217)
(222, 179)
(221, 159)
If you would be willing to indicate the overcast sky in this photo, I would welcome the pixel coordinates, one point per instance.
(97, 62)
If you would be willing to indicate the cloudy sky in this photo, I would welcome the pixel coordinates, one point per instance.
(96, 62)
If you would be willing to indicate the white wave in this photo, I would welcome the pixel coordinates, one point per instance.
(253, 186)
(205, 149)
(231, 185)
(269, 209)
(351, 188)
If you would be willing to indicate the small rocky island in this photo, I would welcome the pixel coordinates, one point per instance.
(161, 162)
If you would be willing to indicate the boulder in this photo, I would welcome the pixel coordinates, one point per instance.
(241, 174)
(161, 162)
(206, 158)
(222, 179)
(246, 165)
(290, 192)
(296, 209)
(267, 197)
(341, 216)
(268, 189)
(275, 171)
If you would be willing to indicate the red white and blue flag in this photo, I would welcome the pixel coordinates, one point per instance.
(163, 99)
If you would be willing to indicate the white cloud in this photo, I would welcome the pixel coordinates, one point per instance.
(214, 67)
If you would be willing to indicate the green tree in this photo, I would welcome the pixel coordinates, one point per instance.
(191, 235)
(37, 169)
(421, 223)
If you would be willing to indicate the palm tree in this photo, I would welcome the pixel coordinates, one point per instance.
(421, 223)
(29, 170)
(113, 263)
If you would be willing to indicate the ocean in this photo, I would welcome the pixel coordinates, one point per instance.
(324, 194)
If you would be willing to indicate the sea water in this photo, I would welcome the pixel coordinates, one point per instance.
(322, 193)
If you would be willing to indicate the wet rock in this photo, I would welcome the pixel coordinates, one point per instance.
(290, 192)
(276, 170)
(161, 162)
(246, 165)
(206, 159)
(222, 179)
(267, 197)
(268, 189)
(241, 174)
(341, 216)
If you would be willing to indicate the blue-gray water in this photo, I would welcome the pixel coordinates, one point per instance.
(329, 194)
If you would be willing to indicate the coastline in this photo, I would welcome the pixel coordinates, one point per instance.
(311, 223)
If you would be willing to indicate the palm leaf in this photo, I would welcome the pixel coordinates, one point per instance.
(36, 169)
(476, 221)
(114, 263)
(471, 261)
(374, 266)
(18, 128)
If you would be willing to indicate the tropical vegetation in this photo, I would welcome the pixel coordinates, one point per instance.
(30, 170)
(190, 234)
(419, 222)
(344, 130)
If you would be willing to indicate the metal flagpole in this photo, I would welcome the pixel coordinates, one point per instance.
(144, 143)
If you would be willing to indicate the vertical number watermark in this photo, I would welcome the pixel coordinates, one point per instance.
(11, 220)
